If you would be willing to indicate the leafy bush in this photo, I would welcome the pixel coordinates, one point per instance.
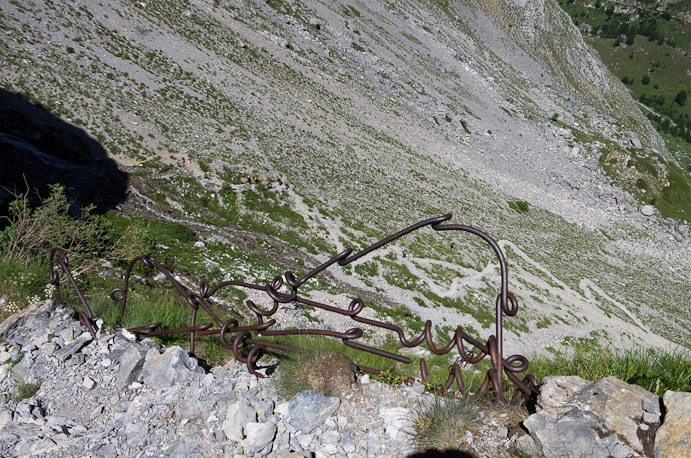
(680, 98)
(34, 231)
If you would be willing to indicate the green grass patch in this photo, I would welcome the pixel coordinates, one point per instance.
(367, 269)
(520, 206)
(25, 391)
(655, 370)
(399, 275)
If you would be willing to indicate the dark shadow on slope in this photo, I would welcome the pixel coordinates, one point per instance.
(42, 149)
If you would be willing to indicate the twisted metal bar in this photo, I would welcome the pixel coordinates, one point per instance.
(58, 256)
(236, 337)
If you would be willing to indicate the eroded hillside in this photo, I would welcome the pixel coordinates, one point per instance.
(377, 115)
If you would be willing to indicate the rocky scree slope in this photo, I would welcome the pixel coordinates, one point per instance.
(378, 114)
(120, 396)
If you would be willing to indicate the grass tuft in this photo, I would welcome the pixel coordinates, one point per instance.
(292, 375)
(441, 424)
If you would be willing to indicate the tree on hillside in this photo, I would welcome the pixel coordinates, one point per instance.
(645, 79)
(680, 98)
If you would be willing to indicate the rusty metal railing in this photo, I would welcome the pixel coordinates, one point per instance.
(236, 337)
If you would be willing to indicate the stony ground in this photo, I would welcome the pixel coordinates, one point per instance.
(379, 114)
(120, 396)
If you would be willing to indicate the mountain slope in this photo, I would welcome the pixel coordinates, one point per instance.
(378, 114)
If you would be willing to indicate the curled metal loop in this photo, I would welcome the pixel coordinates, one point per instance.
(355, 306)
(510, 307)
(53, 275)
(352, 333)
(254, 354)
(272, 289)
(511, 367)
(259, 312)
(238, 343)
(148, 262)
(290, 279)
(203, 289)
(222, 336)
(117, 294)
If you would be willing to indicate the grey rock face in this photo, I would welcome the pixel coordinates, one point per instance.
(397, 422)
(165, 370)
(131, 363)
(585, 418)
(72, 348)
(239, 414)
(673, 439)
(309, 409)
(635, 143)
(258, 435)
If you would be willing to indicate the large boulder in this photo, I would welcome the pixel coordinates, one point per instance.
(239, 415)
(673, 439)
(647, 210)
(131, 363)
(599, 419)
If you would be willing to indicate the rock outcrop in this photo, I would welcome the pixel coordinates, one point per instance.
(607, 418)
(673, 439)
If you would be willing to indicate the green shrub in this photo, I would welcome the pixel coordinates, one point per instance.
(25, 391)
(520, 206)
(34, 230)
(204, 166)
